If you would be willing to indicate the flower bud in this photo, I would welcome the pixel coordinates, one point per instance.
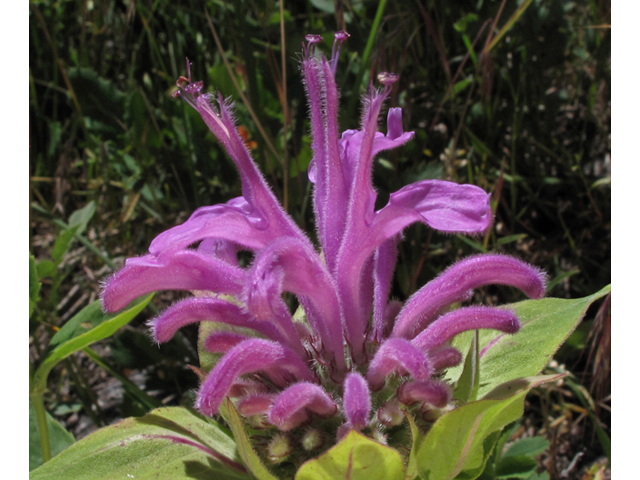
(312, 439)
(390, 414)
(279, 448)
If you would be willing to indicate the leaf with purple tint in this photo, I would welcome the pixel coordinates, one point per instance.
(166, 444)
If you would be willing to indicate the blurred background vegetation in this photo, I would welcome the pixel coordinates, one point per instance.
(513, 96)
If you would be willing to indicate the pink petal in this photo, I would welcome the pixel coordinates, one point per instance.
(292, 407)
(171, 270)
(397, 354)
(249, 356)
(470, 318)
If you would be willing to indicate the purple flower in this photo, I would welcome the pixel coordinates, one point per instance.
(350, 340)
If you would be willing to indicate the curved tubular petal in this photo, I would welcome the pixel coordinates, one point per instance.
(356, 401)
(357, 160)
(171, 270)
(257, 404)
(291, 408)
(350, 144)
(395, 137)
(223, 249)
(331, 191)
(233, 221)
(366, 295)
(288, 264)
(390, 313)
(254, 188)
(446, 357)
(315, 98)
(193, 310)
(357, 151)
(263, 300)
(395, 354)
(429, 201)
(385, 263)
(336, 202)
(445, 206)
(453, 323)
(244, 387)
(455, 283)
(222, 342)
(428, 391)
(249, 356)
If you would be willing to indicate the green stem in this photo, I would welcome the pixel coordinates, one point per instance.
(41, 418)
(43, 428)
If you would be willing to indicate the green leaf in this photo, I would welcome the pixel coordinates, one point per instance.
(102, 103)
(88, 326)
(467, 387)
(460, 442)
(55, 130)
(520, 466)
(34, 285)
(560, 277)
(519, 460)
(356, 457)
(511, 238)
(416, 441)
(245, 450)
(546, 324)
(80, 218)
(587, 402)
(46, 268)
(222, 80)
(460, 86)
(472, 243)
(92, 324)
(326, 6)
(527, 446)
(63, 243)
(168, 443)
(505, 436)
(275, 17)
(507, 26)
(59, 438)
(303, 159)
(539, 476)
(603, 182)
(461, 25)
